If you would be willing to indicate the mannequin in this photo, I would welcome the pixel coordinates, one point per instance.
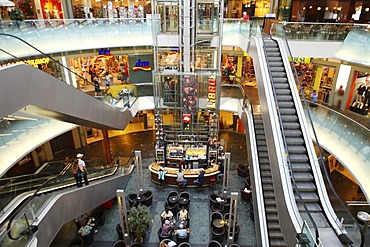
(360, 92)
(367, 98)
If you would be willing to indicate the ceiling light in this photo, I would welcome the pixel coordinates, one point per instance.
(326, 8)
(318, 8)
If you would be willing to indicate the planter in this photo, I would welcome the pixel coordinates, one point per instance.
(120, 243)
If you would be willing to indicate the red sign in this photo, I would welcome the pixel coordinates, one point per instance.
(186, 118)
(211, 98)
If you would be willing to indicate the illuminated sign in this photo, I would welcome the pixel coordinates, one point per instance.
(142, 65)
(104, 51)
(186, 118)
(211, 98)
(33, 62)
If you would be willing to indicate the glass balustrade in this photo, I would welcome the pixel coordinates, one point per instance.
(314, 31)
(37, 202)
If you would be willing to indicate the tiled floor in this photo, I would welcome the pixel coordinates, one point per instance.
(199, 206)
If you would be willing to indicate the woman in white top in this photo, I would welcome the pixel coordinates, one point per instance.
(183, 214)
(166, 214)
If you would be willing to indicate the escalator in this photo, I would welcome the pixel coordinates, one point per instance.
(38, 215)
(302, 176)
(276, 237)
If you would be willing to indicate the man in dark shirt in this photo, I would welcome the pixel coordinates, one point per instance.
(199, 182)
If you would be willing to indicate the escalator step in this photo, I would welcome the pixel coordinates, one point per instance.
(262, 148)
(292, 126)
(270, 209)
(301, 167)
(281, 80)
(306, 186)
(288, 111)
(260, 131)
(312, 207)
(274, 58)
(261, 142)
(260, 137)
(282, 84)
(274, 225)
(265, 166)
(263, 154)
(284, 97)
(276, 64)
(308, 197)
(298, 158)
(282, 91)
(304, 177)
(294, 141)
(275, 234)
(278, 74)
(272, 217)
(277, 242)
(269, 194)
(286, 104)
(297, 149)
(270, 43)
(292, 133)
(267, 187)
(267, 180)
(289, 118)
(272, 49)
(264, 160)
(277, 69)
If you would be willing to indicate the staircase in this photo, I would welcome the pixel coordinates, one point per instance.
(297, 152)
(275, 235)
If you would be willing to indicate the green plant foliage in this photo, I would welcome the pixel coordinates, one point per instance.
(16, 15)
(139, 220)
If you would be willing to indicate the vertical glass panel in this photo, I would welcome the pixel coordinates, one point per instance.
(207, 18)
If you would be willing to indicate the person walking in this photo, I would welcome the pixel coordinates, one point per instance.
(82, 168)
(314, 97)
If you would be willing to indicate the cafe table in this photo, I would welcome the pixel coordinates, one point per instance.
(173, 199)
(183, 200)
(218, 223)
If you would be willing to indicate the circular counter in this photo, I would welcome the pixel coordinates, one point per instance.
(189, 174)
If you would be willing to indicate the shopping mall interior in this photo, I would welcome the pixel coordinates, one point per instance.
(249, 132)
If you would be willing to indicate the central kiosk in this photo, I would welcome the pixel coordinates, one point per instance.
(187, 62)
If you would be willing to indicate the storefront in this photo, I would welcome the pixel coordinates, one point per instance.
(110, 9)
(99, 65)
(237, 67)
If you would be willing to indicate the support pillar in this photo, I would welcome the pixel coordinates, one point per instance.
(225, 182)
(108, 156)
(318, 75)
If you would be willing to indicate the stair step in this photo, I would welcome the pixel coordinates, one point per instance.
(292, 133)
(276, 64)
(269, 194)
(308, 197)
(312, 207)
(281, 80)
(288, 111)
(284, 97)
(304, 177)
(298, 158)
(278, 74)
(292, 149)
(301, 167)
(289, 118)
(294, 140)
(286, 104)
(277, 69)
(263, 154)
(292, 126)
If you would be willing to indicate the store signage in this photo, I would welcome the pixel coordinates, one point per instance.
(186, 118)
(103, 51)
(142, 65)
(211, 98)
(300, 59)
(33, 62)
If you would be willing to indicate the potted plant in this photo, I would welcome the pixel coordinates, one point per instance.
(139, 221)
(16, 15)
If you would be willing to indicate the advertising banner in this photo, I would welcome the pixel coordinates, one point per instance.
(141, 67)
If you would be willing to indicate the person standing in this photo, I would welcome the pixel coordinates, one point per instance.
(107, 81)
(76, 174)
(82, 168)
(161, 177)
(314, 97)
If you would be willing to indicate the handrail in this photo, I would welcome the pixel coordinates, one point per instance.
(43, 188)
(293, 180)
(320, 153)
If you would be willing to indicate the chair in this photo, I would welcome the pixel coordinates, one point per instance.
(181, 186)
(89, 238)
(185, 195)
(213, 182)
(185, 244)
(149, 198)
(179, 207)
(212, 199)
(165, 241)
(218, 207)
(120, 243)
(132, 199)
(172, 193)
(99, 215)
(215, 215)
(162, 237)
(172, 208)
(243, 170)
(77, 241)
(180, 240)
(226, 217)
(234, 245)
(213, 243)
(246, 195)
(218, 234)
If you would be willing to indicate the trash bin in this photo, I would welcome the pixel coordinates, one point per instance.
(267, 20)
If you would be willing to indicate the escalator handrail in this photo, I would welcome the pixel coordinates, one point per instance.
(286, 149)
(36, 192)
(314, 132)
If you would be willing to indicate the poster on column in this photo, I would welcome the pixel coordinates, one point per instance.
(190, 95)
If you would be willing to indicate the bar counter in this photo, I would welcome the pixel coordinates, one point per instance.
(189, 174)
